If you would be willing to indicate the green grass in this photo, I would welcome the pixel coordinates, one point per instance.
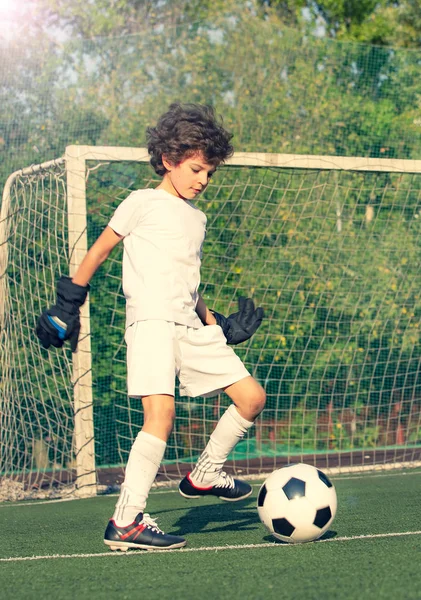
(382, 567)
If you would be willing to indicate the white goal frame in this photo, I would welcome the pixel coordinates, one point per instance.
(75, 159)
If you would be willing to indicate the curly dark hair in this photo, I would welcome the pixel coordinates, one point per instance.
(184, 130)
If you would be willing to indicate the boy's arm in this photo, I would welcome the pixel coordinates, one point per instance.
(204, 313)
(61, 321)
(96, 255)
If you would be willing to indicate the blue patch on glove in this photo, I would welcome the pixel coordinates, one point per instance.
(59, 325)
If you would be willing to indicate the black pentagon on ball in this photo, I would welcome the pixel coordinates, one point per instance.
(324, 478)
(262, 495)
(323, 516)
(295, 488)
(283, 527)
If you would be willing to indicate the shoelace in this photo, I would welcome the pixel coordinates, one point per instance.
(225, 481)
(147, 519)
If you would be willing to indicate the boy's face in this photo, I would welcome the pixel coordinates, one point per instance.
(189, 178)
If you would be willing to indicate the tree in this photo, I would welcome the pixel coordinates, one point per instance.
(380, 22)
(104, 18)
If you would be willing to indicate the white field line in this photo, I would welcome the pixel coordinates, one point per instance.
(37, 503)
(374, 475)
(210, 548)
(175, 490)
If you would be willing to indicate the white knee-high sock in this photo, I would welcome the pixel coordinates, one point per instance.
(230, 429)
(145, 458)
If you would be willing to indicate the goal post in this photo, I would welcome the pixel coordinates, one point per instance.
(84, 445)
(329, 246)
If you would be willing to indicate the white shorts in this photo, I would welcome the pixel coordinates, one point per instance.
(158, 351)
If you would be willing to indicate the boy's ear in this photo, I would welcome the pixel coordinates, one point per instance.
(166, 163)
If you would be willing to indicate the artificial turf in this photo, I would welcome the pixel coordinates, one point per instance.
(382, 567)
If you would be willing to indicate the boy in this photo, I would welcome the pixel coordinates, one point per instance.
(169, 328)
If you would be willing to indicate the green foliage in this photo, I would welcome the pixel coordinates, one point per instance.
(379, 22)
(279, 89)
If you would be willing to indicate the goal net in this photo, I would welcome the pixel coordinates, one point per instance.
(329, 246)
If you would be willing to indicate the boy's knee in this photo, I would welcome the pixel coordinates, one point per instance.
(164, 415)
(255, 402)
(159, 424)
(259, 400)
(159, 415)
(248, 396)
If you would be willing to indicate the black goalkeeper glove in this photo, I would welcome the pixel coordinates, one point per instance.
(61, 322)
(240, 326)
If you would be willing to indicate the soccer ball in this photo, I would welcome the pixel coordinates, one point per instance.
(297, 503)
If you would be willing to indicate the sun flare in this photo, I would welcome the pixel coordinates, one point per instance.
(8, 8)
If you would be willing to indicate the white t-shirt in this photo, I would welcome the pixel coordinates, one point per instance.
(163, 238)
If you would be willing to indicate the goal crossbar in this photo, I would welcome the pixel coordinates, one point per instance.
(256, 159)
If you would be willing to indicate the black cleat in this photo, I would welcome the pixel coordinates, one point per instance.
(226, 488)
(143, 534)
